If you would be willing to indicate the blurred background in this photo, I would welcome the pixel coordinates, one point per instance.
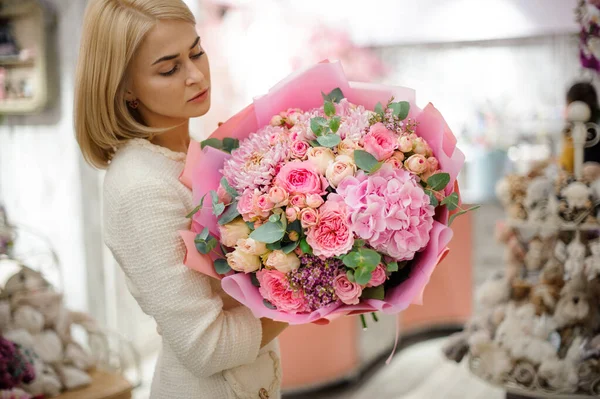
(498, 70)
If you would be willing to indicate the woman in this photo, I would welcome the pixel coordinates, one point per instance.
(586, 93)
(141, 75)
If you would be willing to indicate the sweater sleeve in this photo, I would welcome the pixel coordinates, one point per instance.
(141, 229)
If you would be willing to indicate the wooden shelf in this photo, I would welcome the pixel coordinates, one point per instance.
(14, 61)
(27, 19)
(104, 386)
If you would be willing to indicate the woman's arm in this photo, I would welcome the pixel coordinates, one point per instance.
(142, 225)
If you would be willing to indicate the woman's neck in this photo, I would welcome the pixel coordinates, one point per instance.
(176, 139)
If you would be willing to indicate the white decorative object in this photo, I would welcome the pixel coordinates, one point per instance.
(575, 257)
(592, 262)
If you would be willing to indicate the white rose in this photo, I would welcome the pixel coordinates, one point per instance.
(252, 246)
(321, 157)
(282, 262)
(347, 147)
(234, 231)
(243, 261)
(338, 170)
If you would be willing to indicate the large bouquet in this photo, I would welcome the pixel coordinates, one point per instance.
(325, 198)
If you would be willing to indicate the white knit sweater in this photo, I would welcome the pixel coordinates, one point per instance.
(210, 347)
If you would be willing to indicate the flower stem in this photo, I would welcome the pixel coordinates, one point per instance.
(375, 317)
(363, 321)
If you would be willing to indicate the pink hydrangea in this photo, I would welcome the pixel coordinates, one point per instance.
(389, 210)
(256, 161)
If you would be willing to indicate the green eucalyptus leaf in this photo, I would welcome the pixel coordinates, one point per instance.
(336, 95)
(274, 246)
(329, 141)
(392, 267)
(196, 209)
(230, 190)
(439, 181)
(289, 248)
(400, 109)
(215, 143)
(305, 247)
(364, 160)
(362, 276)
(230, 214)
(433, 201)
(334, 124)
(221, 266)
(350, 275)
(451, 201)
(230, 144)
(379, 109)
(462, 212)
(203, 235)
(329, 108)
(269, 232)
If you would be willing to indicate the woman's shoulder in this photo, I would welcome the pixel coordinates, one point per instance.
(140, 166)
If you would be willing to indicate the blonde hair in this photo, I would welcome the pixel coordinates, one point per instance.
(112, 32)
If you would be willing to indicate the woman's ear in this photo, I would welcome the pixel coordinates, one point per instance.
(129, 96)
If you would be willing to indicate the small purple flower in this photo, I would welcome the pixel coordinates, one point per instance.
(315, 277)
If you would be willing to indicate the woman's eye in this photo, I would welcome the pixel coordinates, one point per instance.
(171, 72)
(196, 56)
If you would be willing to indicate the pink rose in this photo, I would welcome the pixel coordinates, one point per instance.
(253, 205)
(347, 291)
(380, 142)
(294, 135)
(378, 277)
(314, 200)
(396, 164)
(223, 195)
(405, 144)
(299, 149)
(417, 164)
(308, 217)
(246, 204)
(291, 213)
(278, 196)
(300, 177)
(275, 288)
(332, 235)
(298, 200)
(433, 164)
(263, 203)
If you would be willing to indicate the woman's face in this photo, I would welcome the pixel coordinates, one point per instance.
(169, 75)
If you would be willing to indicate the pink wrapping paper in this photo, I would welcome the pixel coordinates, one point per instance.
(303, 90)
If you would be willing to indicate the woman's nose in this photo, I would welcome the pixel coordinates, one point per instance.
(195, 75)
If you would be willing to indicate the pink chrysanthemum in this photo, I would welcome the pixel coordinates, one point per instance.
(389, 210)
(258, 159)
(355, 120)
